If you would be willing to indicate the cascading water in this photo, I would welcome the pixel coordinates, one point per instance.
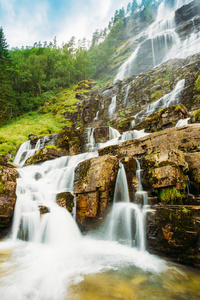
(37, 186)
(25, 151)
(126, 96)
(119, 224)
(166, 101)
(182, 122)
(162, 42)
(112, 106)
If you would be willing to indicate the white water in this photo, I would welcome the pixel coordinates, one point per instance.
(25, 151)
(112, 106)
(97, 115)
(182, 122)
(166, 101)
(126, 103)
(38, 186)
(133, 134)
(118, 225)
(165, 42)
(54, 254)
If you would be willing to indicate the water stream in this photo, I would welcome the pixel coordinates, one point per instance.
(47, 258)
(162, 42)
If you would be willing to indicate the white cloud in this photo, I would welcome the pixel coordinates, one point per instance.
(85, 19)
(34, 21)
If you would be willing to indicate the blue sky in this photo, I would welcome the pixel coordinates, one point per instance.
(27, 21)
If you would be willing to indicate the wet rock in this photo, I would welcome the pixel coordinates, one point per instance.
(94, 188)
(174, 232)
(65, 200)
(186, 139)
(8, 176)
(164, 118)
(44, 154)
(70, 142)
(187, 12)
(193, 160)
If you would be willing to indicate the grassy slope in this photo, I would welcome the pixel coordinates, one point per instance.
(47, 120)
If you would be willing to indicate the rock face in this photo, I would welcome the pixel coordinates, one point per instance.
(94, 188)
(8, 176)
(164, 118)
(170, 160)
(173, 231)
(65, 200)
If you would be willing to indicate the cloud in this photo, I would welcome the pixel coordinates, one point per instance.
(27, 21)
(86, 18)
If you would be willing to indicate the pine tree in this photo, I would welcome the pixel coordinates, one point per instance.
(4, 54)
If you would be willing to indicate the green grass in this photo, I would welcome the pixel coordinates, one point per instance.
(47, 120)
(17, 131)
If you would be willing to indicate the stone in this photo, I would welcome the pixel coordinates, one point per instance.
(167, 176)
(193, 160)
(94, 183)
(65, 200)
(174, 231)
(8, 177)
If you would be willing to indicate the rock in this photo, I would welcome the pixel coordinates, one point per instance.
(173, 232)
(70, 142)
(164, 118)
(44, 154)
(8, 176)
(187, 12)
(186, 139)
(193, 160)
(65, 200)
(94, 188)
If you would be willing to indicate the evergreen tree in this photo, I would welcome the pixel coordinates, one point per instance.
(4, 54)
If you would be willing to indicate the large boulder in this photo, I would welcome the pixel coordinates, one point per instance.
(94, 188)
(164, 118)
(173, 232)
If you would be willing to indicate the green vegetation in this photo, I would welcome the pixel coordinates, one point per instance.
(37, 83)
(156, 95)
(197, 115)
(172, 196)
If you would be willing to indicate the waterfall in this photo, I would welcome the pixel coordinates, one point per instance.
(133, 134)
(182, 122)
(97, 115)
(112, 106)
(37, 186)
(162, 42)
(126, 95)
(169, 99)
(124, 214)
(25, 151)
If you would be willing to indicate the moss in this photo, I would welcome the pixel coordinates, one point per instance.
(178, 107)
(122, 114)
(1, 188)
(172, 196)
(3, 209)
(84, 169)
(197, 115)
(156, 95)
(197, 83)
(51, 147)
(185, 210)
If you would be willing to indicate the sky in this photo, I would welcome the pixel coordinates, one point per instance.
(25, 22)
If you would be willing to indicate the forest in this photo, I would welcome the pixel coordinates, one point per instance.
(30, 76)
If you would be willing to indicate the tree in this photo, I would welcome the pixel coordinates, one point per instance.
(4, 54)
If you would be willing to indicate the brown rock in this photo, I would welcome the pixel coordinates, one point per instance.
(94, 187)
